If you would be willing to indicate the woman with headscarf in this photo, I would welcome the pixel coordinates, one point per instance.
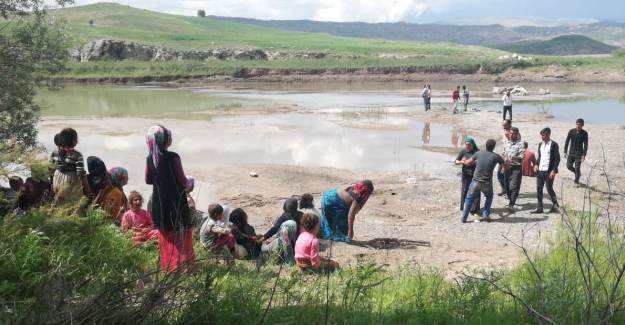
(468, 167)
(112, 198)
(339, 208)
(98, 175)
(168, 205)
(286, 227)
(244, 233)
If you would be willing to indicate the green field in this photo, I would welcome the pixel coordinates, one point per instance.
(184, 32)
(114, 21)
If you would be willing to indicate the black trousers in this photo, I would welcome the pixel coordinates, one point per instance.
(574, 164)
(466, 181)
(507, 109)
(541, 179)
(514, 177)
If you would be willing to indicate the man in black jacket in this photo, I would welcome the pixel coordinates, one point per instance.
(578, 138)
(546, 168)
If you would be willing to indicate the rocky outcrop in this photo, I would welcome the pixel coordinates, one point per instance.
(106, 49)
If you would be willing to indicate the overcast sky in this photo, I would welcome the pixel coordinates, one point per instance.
(389, 10)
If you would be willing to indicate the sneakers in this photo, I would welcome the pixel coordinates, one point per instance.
(537, 211)
(502, 193)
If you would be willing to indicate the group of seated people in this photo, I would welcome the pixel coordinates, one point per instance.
(171, 216)
(292, 239)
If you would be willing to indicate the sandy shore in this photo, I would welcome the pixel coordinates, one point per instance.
(426, 212)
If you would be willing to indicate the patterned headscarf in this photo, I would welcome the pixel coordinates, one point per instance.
(363, 189)
(157, 139)
(118, 175)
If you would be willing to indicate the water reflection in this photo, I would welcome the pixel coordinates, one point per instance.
(425, 137)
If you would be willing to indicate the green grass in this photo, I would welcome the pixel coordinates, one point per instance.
(185, 32)
(194, 33)
(55, 266)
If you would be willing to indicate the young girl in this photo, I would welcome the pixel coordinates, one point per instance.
(244, 233)
(137, 219)
(215, 235)
(69, 182)
(307, 204)
(190, 187)
(307, 247)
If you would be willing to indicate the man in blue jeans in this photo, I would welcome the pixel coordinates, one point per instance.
(482, 179)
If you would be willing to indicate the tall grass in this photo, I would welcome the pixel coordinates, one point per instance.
(57, 268)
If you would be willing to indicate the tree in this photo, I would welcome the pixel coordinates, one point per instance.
(91, 22)
(201, 13)
(32, 47)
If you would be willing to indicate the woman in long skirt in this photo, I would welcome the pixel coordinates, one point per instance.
(169, 207)
(339, 207)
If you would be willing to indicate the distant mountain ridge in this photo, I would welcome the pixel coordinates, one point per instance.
(483, 35)
(560, 45)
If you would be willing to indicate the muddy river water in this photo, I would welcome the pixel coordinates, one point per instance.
(347, 126)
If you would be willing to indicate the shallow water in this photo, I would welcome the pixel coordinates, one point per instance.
(333, 126)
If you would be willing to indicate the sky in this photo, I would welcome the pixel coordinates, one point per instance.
(541, 11)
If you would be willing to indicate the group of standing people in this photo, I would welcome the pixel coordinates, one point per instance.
(514, 163)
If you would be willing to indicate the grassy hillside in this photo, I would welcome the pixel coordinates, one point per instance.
(364, 56)
(561, 45)
(184, 32)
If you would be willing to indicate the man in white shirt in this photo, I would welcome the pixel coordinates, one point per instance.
(507, 104)
(546, 168)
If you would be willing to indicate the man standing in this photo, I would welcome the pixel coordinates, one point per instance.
(507, 104)
(507, 130)
(547, 168)
(465, 96)
(455, 98)
(429, 93)
(514, 152)
(578, 139)
(424, 94)
(482, 179)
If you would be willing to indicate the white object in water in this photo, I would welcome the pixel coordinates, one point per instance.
(253, 174)
(411, 180)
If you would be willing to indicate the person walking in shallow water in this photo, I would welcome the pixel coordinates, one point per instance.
(465, 97)
(424, 95)
(578, 140)
(455, 98)
(507, 104)
(546, 168)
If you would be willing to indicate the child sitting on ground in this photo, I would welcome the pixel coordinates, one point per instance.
(215, 234)
(138, 220)
(307, 247)
(307, 204)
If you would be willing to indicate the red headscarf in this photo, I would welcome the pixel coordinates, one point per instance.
(361, 191)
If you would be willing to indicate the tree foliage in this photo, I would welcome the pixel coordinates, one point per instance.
(201, 13)
(31, 43)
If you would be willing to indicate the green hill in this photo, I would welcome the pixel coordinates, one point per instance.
(561, 45)
(116, 21)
